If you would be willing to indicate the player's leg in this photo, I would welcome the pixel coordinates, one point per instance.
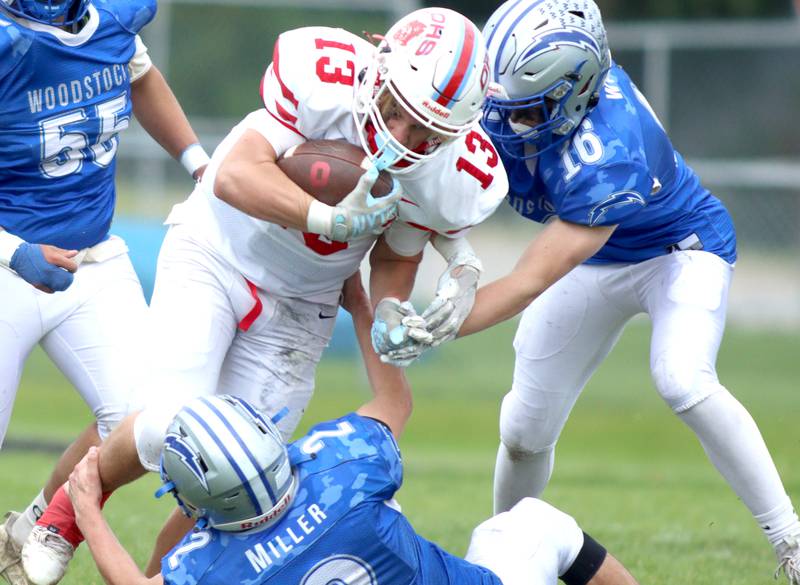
(536, 544)
(94, 345)
(189, 327)
(562, 338)
(174, 529)
(272, 364)
(20, 330)
(688, 314)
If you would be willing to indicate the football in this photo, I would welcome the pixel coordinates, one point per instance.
(329, 169)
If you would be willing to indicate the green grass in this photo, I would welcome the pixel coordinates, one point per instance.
(626, 468)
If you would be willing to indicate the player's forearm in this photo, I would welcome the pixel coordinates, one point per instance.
(158, 111)
(498, 301)
(392, 402)
(249, 179)
(113, 561)
(391, 275)
(558, 249)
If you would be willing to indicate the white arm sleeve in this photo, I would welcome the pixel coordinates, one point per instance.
(140, 63)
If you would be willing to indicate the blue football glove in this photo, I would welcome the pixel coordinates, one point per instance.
(29, 262)
(397, 326)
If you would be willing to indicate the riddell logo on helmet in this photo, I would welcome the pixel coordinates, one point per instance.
(436, 109)
(410, 31)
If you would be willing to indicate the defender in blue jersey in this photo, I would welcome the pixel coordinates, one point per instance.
(630, 230)
(71, 74)
(321, 512)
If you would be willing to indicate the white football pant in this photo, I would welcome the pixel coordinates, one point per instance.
(567, 332)
(90, 331)
(531, 544)
(211, 331)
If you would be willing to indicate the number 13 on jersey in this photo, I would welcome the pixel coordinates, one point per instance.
(477, 143)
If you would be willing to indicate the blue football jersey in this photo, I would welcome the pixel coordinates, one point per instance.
(620, 168)
(63, 99)
(340, 528)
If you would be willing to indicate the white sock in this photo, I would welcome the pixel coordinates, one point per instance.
(734, 445)
(779, 523)
(24, 523)
(518, 476)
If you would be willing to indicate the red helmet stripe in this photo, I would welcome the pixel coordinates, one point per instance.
(464, 62)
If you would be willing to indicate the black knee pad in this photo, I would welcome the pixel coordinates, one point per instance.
(586, 564)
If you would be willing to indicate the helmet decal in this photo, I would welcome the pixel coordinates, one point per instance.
(552, 40)
(408, 32)
(188, 456)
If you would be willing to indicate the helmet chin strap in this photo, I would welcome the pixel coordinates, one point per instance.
(388, 156)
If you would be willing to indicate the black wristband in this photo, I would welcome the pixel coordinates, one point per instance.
(586, 564)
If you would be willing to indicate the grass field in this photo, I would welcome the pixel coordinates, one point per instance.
(626, 468)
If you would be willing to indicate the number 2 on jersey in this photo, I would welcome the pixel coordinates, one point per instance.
(314, 444)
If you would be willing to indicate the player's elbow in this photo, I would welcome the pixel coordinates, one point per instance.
(227, 182)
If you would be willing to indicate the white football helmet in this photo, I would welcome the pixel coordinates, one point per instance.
(227, 465)
(550, 58)
(433, 63)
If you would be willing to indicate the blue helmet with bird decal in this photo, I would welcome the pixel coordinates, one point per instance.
(549, 59)
(227, 465)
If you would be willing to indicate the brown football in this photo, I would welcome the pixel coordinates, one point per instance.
(329, 169)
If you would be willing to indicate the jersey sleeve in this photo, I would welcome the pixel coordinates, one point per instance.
(610, 196)
(406, 239)
(297, 88)
(14, 45)
(141, 62)
(132, 15)
(363, 444)
(453, 192)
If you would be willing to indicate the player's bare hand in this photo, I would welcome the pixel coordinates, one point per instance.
(48, 268)
(85, 489)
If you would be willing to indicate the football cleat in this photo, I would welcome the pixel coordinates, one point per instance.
(788, 551)
(10, 566)
(45, 556)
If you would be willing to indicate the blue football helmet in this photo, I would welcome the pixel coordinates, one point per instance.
(549, 59)
(227, 465)
(52, 12)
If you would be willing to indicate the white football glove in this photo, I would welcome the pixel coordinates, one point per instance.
(398, 333)
(455, 295)
(358, 214)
